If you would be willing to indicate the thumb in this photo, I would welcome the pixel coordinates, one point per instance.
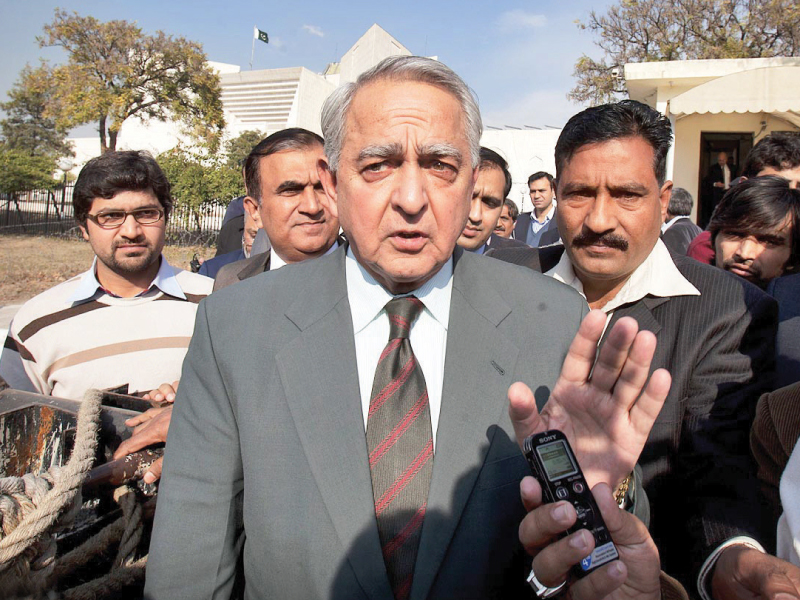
(523, 412)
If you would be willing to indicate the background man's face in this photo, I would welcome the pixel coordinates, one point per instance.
(609, 208)
(404, 182)
(131, 248)
(294, 210)
(484, 209)
(541, 193)
(505, 225)
(251, 227)
(758, 257)
(722, 159)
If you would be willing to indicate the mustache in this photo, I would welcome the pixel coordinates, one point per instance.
(589, 238)
(745, 264)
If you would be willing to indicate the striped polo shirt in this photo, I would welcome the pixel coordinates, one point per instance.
(76, 335)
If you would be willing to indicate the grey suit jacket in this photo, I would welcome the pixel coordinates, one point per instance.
(267, 452)
(679, 235)
(719, 349)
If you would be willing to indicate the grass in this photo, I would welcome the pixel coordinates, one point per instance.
(29, 265)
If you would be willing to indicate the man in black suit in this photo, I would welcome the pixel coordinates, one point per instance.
(678, 230)
(539, 228)
(284, 195)
(715, 334)
(488, 197)
(719, 178)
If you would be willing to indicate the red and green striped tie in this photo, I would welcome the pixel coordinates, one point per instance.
(400, 446)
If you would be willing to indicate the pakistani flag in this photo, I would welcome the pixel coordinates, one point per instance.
(260, 35)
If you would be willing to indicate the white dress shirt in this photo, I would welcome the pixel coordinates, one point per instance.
(428, 335)
(276, 262)
(656, 276)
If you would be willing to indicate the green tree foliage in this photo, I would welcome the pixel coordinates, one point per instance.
(199, 181)
(26, 128)
(114, 71)
(20, 171)
(237, 149)
(657, 30)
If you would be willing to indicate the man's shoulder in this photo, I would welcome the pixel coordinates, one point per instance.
(229, 273)
(47, 302)
(498, 241)
(540, 259)
(718, 288)
(193, 283)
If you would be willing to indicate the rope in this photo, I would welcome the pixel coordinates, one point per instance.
(33, 508)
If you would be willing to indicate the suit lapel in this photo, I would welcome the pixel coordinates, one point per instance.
(318, 373)
(254, 267)
(478, 366)
(642, 311)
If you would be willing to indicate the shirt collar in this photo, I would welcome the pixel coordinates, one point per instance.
(367, 297)
(671, 222)
(276, 262)
(656, 276)
(164, 280)
(547, 217)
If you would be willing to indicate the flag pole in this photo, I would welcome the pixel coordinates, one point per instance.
(253, 49)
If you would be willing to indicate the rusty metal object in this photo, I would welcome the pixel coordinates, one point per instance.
(119, 471)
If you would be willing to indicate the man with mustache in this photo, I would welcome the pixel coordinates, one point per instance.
(753, 230)
(715, 335)
(108, 327)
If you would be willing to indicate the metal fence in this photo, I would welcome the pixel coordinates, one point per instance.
(49, 213)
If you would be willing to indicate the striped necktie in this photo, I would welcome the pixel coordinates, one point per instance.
(400, 445)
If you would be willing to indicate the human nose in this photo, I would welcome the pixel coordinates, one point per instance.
(310, 203)
(130, 228)
(476, 210)
(600, 217)
(411, 195)
(748, 249)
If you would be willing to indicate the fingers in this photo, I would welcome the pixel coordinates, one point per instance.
(551, 566)
(614, 354)
(625, 529)
(146, 416)
(649, 405)
(164, 393)
(599, 583)
(583, 349)
(153, 474)
(542, 524)
(523, 412)
(531, 493)
(635, 370)
(153, 432)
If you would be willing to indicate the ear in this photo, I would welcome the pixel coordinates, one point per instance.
(251, 206)
(664, 195)
(328, 180)
(84, 232)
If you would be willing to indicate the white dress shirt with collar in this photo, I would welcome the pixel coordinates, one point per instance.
(276, 262)
(428, 335)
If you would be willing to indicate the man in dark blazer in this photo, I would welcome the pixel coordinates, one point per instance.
(267, 465)
(786, 290)
(541, 187)
(715, 332)
(491, 187)
(284, 196)
(678, 230)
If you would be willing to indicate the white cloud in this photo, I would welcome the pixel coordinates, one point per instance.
(314, 30)
(276, 42)
(537, 108)
(517, 19)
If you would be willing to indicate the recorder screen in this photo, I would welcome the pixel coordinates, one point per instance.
(556, 460)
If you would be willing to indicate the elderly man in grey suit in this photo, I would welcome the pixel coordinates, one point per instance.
(328, 463)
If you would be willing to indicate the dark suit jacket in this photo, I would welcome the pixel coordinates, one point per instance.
(786, 290)
(242, 269)
(775, 432)
(697, 470)
(211, 266)
(549, 236)
(271, 442)
(498, 241)
(680, 234)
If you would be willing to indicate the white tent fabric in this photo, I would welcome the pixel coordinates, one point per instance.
(774, 90)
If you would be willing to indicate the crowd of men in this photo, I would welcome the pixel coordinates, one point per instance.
(346, 415)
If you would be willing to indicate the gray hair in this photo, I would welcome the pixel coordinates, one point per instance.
(680, 203)
(399, 68)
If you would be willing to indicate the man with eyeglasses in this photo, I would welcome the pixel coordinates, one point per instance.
(125, 324)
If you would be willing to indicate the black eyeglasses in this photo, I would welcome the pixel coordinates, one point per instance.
(115, 218)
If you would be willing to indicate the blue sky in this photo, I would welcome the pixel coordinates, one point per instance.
(517, 56)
